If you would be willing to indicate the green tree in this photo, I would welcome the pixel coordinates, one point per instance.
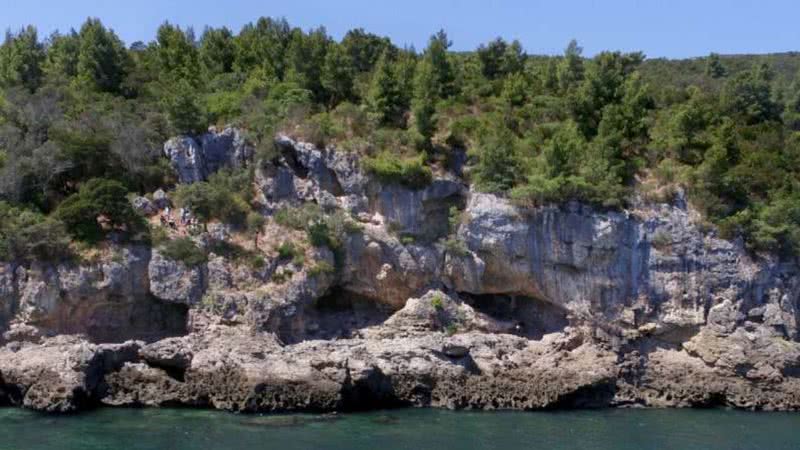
(337, 75)
(385, 96)
(424, 103)
(217, 51)
(263, 45)
(62, 56)
(176, 54)
(305, 58)
(491, 58)
(570, 70)
(498, 168)
(748, 96)
(441, 68)
(97, 200)
(365, 48)
(714, 66)
(184, 113)
(102, 58)
(21, 58)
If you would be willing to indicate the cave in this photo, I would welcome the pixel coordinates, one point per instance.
(120, 319)
(529, 317)
(337, 314)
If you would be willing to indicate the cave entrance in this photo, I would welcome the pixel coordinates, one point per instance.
(529, 317)
(339, 314)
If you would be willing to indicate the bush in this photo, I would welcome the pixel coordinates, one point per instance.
(389, 168)
(456, 246)
(97, 198)
(287, 250)
(437, 302)
(26, 236)
(184, 249)
(319, 234)
(321, 268)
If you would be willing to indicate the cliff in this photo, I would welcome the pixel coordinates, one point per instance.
(438, 296)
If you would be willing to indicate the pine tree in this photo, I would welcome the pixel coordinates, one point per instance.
(101, 57)
(337, 75)
(21, 58)
(385, 97)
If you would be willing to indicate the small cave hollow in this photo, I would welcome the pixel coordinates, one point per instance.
(121, 319)
(528, 317)
(339, 314)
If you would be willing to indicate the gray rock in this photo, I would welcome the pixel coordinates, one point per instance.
(144, 206)
(195, 159)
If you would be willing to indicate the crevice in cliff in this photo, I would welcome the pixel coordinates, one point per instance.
(338, 314)
(530, 317)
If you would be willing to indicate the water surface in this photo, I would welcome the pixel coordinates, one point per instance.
(418, 429)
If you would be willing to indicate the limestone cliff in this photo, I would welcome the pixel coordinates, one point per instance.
(559, 306)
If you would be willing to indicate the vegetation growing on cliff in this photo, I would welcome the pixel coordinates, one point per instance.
(80, 108)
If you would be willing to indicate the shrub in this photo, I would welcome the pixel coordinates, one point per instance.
(287, 250)
(184, 249)
(456, 246)
(389, 168)
(28, 236)
(437, 302)
(320, 268)
(97, 197)
(319, 234)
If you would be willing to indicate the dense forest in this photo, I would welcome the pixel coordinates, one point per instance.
(83, 119)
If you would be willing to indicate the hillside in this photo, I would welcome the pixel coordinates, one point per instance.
(273, 220)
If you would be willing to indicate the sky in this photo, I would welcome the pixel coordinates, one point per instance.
(659, 28)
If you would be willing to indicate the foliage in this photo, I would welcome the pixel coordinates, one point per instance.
(99, 205)
(79, 109)
(411, 172)
(27, 236)
(184, 249)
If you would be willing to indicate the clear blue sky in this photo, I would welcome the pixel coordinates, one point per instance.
(670, 28)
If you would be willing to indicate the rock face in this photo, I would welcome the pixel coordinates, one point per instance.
(560, 306)
(194, 159)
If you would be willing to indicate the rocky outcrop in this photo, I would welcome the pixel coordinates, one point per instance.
(501, 307)
(61, 374)
(108, 301)
(195, 158)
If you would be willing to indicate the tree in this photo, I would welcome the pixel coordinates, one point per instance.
(570, 70)
(176, 54)
(491, 58)
(714, 66)
(498, 168)
(337, 75)
(365, 48)
(183, 111)
(21, 58)
(441, 69)
(385, 97)
(263, 45)
(62, 55)
(748, 96)
(305, 58)
(97, 198)
(424, 103)
(217, 51)
(102, 59)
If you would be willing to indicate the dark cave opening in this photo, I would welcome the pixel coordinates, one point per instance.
(529, 317)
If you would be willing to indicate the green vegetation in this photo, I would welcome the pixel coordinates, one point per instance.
(184, 249)
(83, 118)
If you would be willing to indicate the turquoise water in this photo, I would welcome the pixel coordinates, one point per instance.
(132, 429)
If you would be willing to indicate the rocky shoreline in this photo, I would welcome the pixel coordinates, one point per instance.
(557, 307)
